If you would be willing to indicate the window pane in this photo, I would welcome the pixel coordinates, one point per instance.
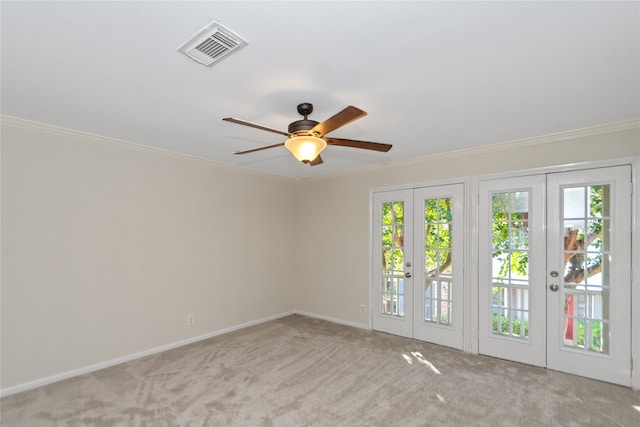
(510, 264)
(438, 274)
(392, 298)
(586, 271)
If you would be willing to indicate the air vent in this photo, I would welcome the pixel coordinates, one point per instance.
(212, 44)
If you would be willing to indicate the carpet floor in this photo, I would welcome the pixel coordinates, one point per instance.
(299, 371)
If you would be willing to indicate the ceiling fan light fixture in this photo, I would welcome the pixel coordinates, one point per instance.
(306, 137)
(305, 147)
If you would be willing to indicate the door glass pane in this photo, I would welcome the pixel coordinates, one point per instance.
(510, 264)
(587, 258)
(392, 298)
(438, 278)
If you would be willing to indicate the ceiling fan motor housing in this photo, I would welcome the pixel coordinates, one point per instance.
(302, 125)
(304, 109)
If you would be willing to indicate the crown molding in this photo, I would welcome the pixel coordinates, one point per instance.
(621, 126)
(49, 129)
(626, 125)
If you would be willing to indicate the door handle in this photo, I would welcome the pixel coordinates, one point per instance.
(407, 274)
(553, 287)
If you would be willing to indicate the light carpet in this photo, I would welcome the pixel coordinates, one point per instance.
(299, 371)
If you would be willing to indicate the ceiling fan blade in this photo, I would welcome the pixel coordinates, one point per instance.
(316, 161)
(254, 125)
(345, 116)
(376, 146)
(259, 148)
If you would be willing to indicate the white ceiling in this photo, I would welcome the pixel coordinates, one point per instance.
(433, 76)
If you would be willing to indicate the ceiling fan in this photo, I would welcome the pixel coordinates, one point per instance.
(307, 137)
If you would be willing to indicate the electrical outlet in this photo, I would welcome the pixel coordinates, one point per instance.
(363, 308)
(191, 319)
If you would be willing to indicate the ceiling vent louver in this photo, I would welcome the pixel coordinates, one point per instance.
(212, 44)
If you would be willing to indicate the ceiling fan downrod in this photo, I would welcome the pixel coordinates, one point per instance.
(304, 110)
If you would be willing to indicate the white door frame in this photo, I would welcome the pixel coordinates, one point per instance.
(635, 267)
(399, 320)
(612, 365)
(543, 345)
(450, 334)
(471, 250)
(529, 349)
(442, 334)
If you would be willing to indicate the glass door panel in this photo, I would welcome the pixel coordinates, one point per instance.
(511, 269)
(392, 257)
(439, 240)
(418, 263)
(586, 271)
(558, 298)
(437, 255)
(393, 294)
(589, 280)
(510, 264)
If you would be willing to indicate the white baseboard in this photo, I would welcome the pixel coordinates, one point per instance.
(332, 319)
(88, 369)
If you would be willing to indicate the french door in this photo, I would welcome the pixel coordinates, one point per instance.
(511, 270)
(555, 271)
(417, 263)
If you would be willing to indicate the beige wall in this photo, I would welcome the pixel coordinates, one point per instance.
(336, 255)
(106, 248)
